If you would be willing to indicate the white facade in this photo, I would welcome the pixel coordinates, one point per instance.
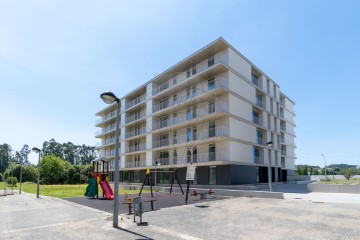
(214, 108)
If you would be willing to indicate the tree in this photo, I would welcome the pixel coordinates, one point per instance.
(52, 170)
(24, 153)
(348, 173)
(52, 148)
(5, 156)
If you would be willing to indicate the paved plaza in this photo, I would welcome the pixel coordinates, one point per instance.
(24, 217)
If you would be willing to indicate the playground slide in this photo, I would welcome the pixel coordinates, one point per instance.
(107, 190)
(91, 188)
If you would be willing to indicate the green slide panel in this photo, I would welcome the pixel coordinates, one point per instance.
(91, 188)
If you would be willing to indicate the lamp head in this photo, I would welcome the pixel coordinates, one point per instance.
(35, 149)
(269, 144)
(109, 97)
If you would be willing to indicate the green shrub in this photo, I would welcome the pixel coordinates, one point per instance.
(12, 181)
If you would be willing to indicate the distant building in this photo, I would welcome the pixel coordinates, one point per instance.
(214, 108)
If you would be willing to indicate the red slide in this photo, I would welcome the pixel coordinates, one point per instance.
(107, 190)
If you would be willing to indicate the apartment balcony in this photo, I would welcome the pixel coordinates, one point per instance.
(201, 89)
(256, 80)
(105, 119)
(197, 158)
(258, 120)
(135, 101)
(258, 160)
(135, 148)
(104, 131)
(202, 135)
(135, 164)
(182, 77)
(260, 103)
(283, 152)
(220, 107)
(135, 117)
(261, 141)
(134, 133)
(282, 127)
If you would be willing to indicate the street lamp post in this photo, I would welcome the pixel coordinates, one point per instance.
(110, 98)
(156, 163)
(37, 150)
(324, 163)
(269, 144)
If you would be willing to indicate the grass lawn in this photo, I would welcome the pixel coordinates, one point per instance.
(340, 181)
(60, 191)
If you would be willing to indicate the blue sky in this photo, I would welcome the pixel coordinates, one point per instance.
(56, 57)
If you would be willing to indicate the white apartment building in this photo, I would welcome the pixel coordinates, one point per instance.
(216, 109)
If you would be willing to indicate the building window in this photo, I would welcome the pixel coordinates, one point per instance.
(271, 106)
(256, 155)
(175, 81)
(269, 121)
(268, 86)
(255, 79)
(188, 93)
(212, 152)
(164, 121)
(274, 91)
(175, 99)
(175, 118)
(137, 130)
(212, 129)
(269, 156)
(194, 112)
(211, 84)
(137, 145)
(259, 137)
(188, 73)
(256, 117)
(175, 156)
(188, 114)
(194, 133)
(283, 162)
(137, 160)
(212, 175)
(188, 155)
(193, 70)
(174, 137)
(211, 106)
(194, 154)
(193, 91)
(188, 134)
(259, 100)
(211, 61)
(164, 158)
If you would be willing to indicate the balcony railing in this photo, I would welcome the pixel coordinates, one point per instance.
(197, 158)
(261, 141)
(136, 132)
(106, 130)
(258, 120)
(136, 116)
(256, 80)
(133, 164)
(260, 103)
(221, 131)
(258, 160)
(107, 117)
(135, 101)
(184, 97)
(200, 112)
(135, 148)
(183, 76)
